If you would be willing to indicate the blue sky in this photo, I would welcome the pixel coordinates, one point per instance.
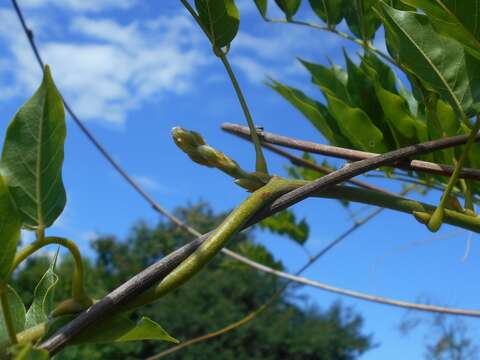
(132, 70)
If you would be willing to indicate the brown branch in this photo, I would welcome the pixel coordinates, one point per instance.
(296, 160)
(349, 154)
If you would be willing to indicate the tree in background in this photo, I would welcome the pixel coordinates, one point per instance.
(218, 296)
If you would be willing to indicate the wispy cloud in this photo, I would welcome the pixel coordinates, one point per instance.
(106, 68)
(109, 68)
(80, 5)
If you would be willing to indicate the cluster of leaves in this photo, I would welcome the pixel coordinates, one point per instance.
(221, 294)
(436, 46)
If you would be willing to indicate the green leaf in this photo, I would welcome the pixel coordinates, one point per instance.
(335, 79)
(220, 19)
(355, 125)
(285, 223)
(17, 312)
(32, 156)
(42, 303)
(362, 92)
(9, 230)
(330, 11)
(117, 329)
(454, 18)
(384, 73)
(121, 329)
(362, 19)
(406, 129)
(400, 5)
(262, 7)
(289, 7)
(410, 99)
(441, 63)
(314, 111)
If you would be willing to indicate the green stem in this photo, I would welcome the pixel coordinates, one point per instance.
(469, 195)
(398, 203)
(228, 228)
(78, 289)
(260, 163)
(28, 336)
(7, 316)
(437, 217)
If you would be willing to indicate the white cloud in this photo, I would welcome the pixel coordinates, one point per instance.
(253, 70)
(106, 67)
(80, 5)
(274, 53)
(110, 68)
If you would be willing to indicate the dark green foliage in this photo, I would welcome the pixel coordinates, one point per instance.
(220, 19)
(216, 297)
(285, 223)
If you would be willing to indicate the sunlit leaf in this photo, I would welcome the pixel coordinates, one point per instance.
(9, 230)
(42, 303)
(289, 7)
(355, 125)
(32, 156)
(362, 19)
(314, 111)
(117, 329)
(362, 93)
(220, 18)
(17, 313)
(458, 19)
(330, 11)
(285, 223)
(335, 79)
(441, 63)
(262, 6)
(383, 72)
(406, 129)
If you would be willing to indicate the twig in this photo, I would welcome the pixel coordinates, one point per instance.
(352, 155)
(296, 160)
